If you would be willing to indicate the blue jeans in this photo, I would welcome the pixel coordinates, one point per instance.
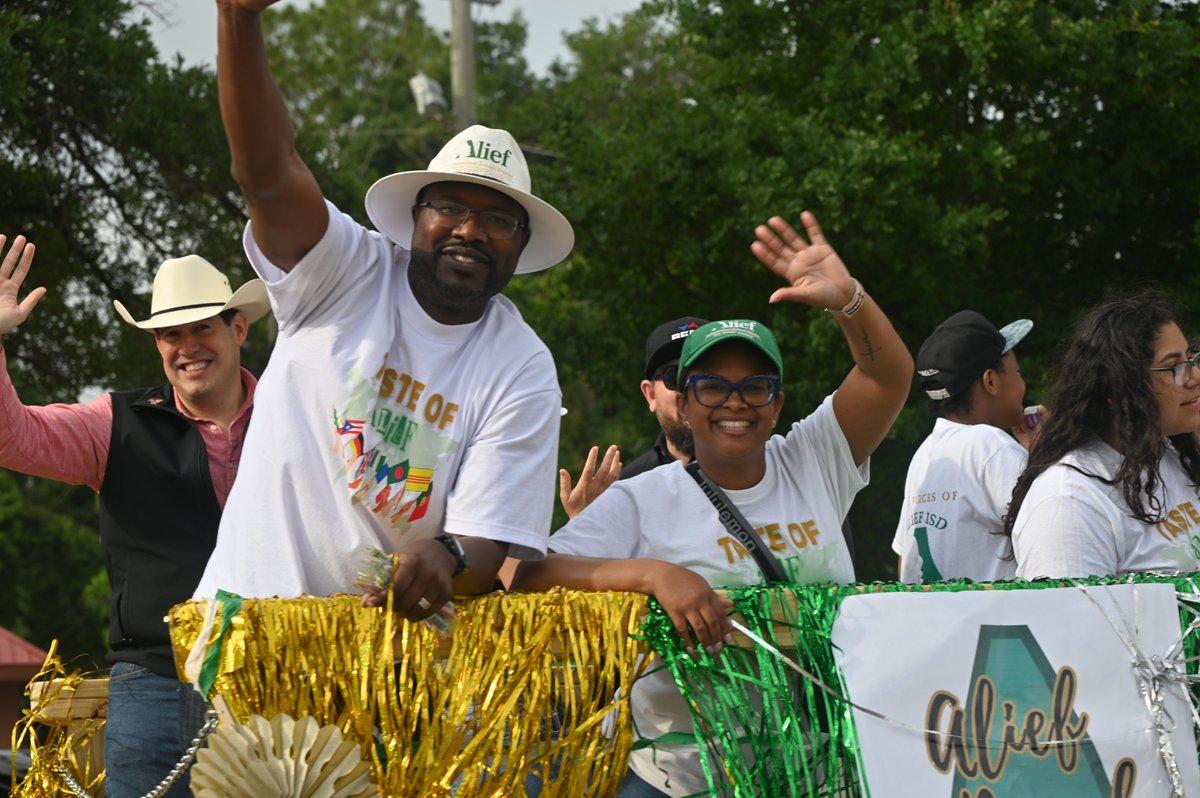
(151, 721)
(636, 787)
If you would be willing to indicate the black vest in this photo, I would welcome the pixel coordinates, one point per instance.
(158, 522)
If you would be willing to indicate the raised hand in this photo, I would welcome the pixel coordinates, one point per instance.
(814, 273)
(13, 269)
(592, 480)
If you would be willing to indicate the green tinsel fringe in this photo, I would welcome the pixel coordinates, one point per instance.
(762, 729)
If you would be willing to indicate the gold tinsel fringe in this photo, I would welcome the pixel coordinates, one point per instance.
(60, 739)
(524, 682)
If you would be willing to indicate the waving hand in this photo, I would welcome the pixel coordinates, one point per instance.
(12, 274)
(815, 274)
(873, 392)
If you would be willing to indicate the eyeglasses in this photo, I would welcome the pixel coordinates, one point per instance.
(713, 390)
(496, 224)
(1182, 371)
(669, 374)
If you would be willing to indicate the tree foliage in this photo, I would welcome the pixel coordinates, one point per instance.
(50, 566)
(110, 161)
(1018, 157)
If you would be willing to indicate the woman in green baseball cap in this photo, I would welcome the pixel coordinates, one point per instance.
(665, 532)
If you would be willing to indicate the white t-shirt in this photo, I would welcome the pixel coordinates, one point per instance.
(797, 508)
(958, 488)
(1072, 524)
(375, 424)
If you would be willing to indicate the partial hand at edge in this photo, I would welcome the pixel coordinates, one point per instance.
(1027, 435)
(13, 271)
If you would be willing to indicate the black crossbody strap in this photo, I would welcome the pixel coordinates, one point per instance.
(733, 520)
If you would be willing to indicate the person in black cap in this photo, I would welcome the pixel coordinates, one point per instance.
(961, 478)
(660, 387)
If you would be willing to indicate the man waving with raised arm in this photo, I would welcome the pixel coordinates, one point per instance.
(407, 405)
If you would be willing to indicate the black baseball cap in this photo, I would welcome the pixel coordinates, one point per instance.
(961, 349)
(665, 342)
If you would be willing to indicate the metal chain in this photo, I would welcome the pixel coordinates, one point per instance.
(72, 785)
(185, 762)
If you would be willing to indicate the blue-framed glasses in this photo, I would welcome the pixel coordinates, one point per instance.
(496, 224)
(1181, 371)
(713, 390)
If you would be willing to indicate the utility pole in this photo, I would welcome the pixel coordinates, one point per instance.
(462, 61)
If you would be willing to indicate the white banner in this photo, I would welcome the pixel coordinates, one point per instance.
(1028, 693)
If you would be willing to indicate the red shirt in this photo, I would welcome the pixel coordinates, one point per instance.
(69, 442)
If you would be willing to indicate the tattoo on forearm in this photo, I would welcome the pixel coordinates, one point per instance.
(871, 349)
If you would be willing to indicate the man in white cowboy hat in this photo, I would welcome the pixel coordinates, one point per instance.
(162, 459)
(407, 406)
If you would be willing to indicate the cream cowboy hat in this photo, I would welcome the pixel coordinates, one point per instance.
(487, 157)
(190, 288)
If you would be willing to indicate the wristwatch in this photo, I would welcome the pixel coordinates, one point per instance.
(455, 548)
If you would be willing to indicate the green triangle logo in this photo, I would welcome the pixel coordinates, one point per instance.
(1018, 733)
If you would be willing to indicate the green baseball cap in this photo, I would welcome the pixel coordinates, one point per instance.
(752, 332)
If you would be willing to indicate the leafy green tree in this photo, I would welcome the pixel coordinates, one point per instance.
(1017, 157)
(49, 556)
(110, 161)
(343, 67)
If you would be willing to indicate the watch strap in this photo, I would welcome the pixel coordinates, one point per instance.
(455, 547)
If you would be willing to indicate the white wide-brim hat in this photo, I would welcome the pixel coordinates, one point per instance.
(487, 157)
(190, 288)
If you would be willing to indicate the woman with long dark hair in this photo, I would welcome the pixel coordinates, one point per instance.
(1111, 482)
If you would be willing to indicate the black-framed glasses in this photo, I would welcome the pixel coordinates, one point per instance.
(669, 374)
(496, 224)
(713, 390)
(1181, 371)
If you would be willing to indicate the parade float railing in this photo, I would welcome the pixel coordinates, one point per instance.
(820, 696)
(69, 711)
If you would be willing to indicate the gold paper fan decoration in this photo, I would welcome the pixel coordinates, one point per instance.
(281, 758)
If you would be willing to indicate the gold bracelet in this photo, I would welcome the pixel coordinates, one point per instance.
(854, 305)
